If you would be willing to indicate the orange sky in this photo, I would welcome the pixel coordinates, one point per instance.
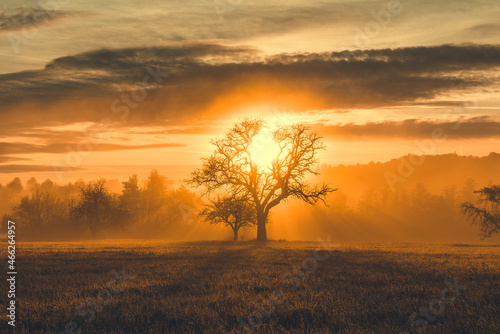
(121, 88)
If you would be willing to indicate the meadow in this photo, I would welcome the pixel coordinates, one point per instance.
(129, 286)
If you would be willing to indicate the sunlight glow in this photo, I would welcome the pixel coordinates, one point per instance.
(263, 150)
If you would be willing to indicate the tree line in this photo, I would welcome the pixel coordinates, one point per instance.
(153, 208)
(247, 188)
(50, 211)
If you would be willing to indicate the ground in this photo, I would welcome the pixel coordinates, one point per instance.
(222, 287)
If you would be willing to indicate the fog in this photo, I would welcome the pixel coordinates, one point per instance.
(409, 199)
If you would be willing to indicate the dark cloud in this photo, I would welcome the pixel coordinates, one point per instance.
(102, 73)
(132, 58)
(186, 80)
(459, 128)
(28, 18)
(426, 59)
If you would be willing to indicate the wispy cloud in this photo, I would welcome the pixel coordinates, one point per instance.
(23, 148)
(7, 158)
(461, 128)
(28, 17)
(34, 168)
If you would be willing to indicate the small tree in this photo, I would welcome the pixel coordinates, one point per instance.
(97, 209)
(230, 211)
(487, 215)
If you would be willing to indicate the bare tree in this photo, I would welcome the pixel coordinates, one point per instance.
(487, 216)
(231, 211)
(97, 209)
(40, 211)
(233, 166)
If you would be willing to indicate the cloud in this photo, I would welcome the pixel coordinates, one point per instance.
(23, 148)
(250, 20)
(173, 84)
(131, 58)
(29, 17)
(482, 31)
(227, 20)
(34, 168)
(7, 158)
(184, 130)
(102, 73)
(459, 128)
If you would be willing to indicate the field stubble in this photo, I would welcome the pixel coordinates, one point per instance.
(206, 287)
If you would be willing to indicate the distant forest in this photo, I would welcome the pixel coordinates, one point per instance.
(412, 198)
(150, 208)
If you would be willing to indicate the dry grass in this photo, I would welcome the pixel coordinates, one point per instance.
(205, 287)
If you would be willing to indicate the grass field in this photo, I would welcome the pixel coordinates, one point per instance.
(216, 287)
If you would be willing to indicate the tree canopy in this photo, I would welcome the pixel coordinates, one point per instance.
(487, 213)
(97, 209)
(233, 166)
(231, 211)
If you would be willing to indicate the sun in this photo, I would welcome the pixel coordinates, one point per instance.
(263, 149)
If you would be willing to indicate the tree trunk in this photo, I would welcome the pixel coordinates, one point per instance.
(235, 234)
(261, 226)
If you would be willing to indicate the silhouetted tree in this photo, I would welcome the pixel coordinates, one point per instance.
(40, 211)
(97, 209)
(231, 211)
(232, 166)
(15, 185)
(31, 184)
(468, 189)
(154, 198)
(131, 198)
(450, 194)
(183, 206)
(487, 216)
(47, 184)
(420, 197)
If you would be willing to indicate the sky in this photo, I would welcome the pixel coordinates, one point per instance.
(94, 89)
